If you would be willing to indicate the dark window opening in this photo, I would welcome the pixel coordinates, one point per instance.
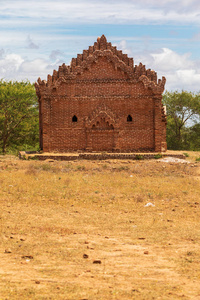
(129, 118)
(74, 119)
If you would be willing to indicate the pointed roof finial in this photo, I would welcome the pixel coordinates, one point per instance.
(103, 38)
(103, 42)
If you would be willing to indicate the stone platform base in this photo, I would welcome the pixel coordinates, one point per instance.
(96, 156)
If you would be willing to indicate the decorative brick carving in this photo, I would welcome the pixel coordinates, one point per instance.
(101, 115)
(102, 102)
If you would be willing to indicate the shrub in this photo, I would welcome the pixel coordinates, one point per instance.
(157, 156)
(139, 157)
(186, 154)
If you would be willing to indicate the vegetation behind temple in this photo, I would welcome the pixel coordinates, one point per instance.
(183, 120)
(19, 122)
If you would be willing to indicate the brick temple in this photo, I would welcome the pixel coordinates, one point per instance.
(102, 102)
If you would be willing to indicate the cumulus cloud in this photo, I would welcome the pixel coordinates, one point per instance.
(37, 68)
(122, 45)
(14, 67)
(38, 36)
(181, 72)
(168, 59)
(9, 64)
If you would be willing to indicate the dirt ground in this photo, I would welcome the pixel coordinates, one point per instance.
(100, 229)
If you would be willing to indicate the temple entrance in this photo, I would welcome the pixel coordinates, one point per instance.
(102, 140)
(101, 136)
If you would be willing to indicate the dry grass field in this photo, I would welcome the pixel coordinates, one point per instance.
(99, 229)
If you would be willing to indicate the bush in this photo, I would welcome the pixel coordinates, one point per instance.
(139, 157)
(157, 156)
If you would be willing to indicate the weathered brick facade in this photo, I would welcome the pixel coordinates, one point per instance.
(102, 102)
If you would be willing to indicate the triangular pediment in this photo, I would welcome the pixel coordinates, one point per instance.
(100, 48)
(110, 66)
(87, 63)
(100, 52)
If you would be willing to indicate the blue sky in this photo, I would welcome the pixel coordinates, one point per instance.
(38, 36)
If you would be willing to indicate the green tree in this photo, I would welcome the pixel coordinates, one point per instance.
(18, 114)
(183, 110)
(194, 137)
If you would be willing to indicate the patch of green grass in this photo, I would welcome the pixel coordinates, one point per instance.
(105, 166)
(186, 154)
(80, 168)
(32, 158)
(139, 157)
(46, 167)
(123, 168)
(157, 156)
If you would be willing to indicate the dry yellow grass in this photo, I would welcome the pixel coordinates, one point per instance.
(57, 218)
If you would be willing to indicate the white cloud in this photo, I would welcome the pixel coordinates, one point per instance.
(1, 53)
(91, 11)
(180, 71)
(14, 67)
(36, 68)
(122, 45)
(184, 80)
(9, 64)
(56, 54)
(176, 5)
(31, 44)
(168, 59)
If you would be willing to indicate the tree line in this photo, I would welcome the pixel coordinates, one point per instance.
(183, 120)
(19, 124)
(19, 118)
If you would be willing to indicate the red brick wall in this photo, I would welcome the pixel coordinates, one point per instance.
(101, 88)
